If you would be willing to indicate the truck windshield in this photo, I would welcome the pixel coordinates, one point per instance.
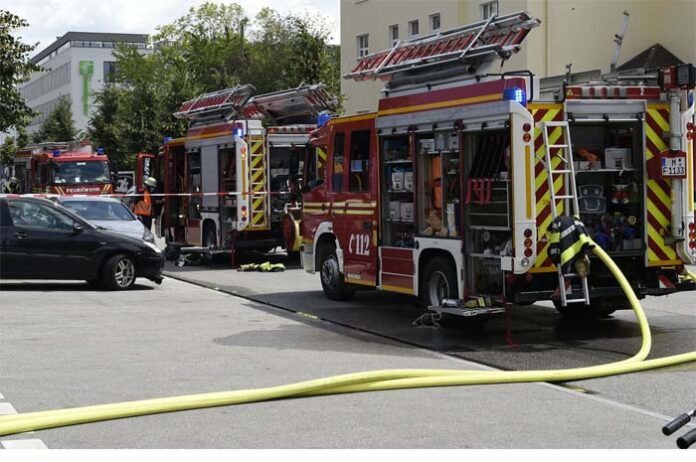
(80, 172)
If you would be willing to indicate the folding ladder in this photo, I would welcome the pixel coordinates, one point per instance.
(564, 153)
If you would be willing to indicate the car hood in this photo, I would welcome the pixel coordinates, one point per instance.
(129, 228)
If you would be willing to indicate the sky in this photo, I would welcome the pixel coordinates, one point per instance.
(49, 19)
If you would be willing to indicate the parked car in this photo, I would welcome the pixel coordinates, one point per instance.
(108, 213)
(40, 239)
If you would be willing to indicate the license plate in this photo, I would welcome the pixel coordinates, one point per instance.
(674, 166)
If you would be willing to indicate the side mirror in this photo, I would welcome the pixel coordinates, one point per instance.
(77, 228)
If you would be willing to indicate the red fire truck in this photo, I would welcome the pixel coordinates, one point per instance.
(447, 192)
(233, 182)
(63, 168)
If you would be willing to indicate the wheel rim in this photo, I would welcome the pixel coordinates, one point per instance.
(330, 272)
(125, 272)
(438, 288)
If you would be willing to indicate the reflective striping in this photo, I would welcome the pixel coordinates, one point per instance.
(551, 112)
(658, 197)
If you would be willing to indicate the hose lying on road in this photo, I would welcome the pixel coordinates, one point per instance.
(351, 383)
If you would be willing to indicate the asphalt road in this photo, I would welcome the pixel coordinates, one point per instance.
(64, 345)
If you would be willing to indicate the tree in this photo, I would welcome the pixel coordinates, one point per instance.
(7, 151)
(102, 130)
(59, 126)
(15, 68)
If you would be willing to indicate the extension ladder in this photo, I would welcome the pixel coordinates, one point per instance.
(470, 45)
(564, 153)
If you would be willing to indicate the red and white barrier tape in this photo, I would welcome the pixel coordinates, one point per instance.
(200, 194)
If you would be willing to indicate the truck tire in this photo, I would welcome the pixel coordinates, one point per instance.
(439, 282)
(579, 310)
(332, 279)
(209, 238)
(118, 272)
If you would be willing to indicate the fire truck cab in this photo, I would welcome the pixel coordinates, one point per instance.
(443, 193)
(63, 168)
(230, 181)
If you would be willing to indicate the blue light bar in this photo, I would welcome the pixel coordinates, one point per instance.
(322, 119)
(515, 94)
(56, 153)
(100, 151)
(238, 131)
(167, 139)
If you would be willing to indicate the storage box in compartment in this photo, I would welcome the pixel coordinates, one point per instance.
(407, 212)
(617, 158)
(397, 180)
(408, 181)
(395, 210)
(426, 145)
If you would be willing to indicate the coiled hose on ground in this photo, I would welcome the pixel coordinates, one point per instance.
(358, 382)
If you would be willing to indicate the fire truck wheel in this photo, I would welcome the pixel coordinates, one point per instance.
(332, 280)
(579, 310)
(439, 282)
(118, 273)
(209, 239)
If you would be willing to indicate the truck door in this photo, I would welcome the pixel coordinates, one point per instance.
(356, 207)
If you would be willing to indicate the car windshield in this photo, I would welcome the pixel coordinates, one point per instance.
(100, 210)
(81, 172)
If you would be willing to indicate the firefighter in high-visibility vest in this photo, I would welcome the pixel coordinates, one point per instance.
(144, 207)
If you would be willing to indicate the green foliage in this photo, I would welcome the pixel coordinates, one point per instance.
(212, 47)
(15, 68)
(59, 126)
(7, 151)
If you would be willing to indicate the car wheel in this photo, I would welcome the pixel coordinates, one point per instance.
(332, 279)
(119, 273)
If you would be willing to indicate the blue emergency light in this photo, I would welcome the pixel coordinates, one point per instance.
(167, 139)
(100, 151)
(56, 153)
(322, 119)
(515, 94)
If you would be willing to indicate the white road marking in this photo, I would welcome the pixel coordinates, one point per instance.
(23, 444)
(7, 409)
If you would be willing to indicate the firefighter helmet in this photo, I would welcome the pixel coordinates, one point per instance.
(151, 182)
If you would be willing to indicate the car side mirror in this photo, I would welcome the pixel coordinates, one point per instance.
(77, 228)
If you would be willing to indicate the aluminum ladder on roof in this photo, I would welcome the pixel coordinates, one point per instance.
(471, 45)
(565, 168)
(227, 102)
(304, 101)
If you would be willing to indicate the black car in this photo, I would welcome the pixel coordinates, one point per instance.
(42, 240)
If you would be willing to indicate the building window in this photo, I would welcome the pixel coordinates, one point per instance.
(489, 9)
(413, 28)
(435, 22)
(110, 71)
(363, 45)
(394, 34)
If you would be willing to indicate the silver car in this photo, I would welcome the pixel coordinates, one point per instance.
(108, 213)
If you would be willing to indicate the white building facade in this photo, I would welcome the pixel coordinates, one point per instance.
(75, 67)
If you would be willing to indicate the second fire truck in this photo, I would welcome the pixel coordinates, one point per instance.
(63, 168)
(448, 191)
(233, 182)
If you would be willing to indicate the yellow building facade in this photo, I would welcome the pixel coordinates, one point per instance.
(577, 32)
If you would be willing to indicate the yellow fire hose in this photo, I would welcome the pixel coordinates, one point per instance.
(358, 382)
